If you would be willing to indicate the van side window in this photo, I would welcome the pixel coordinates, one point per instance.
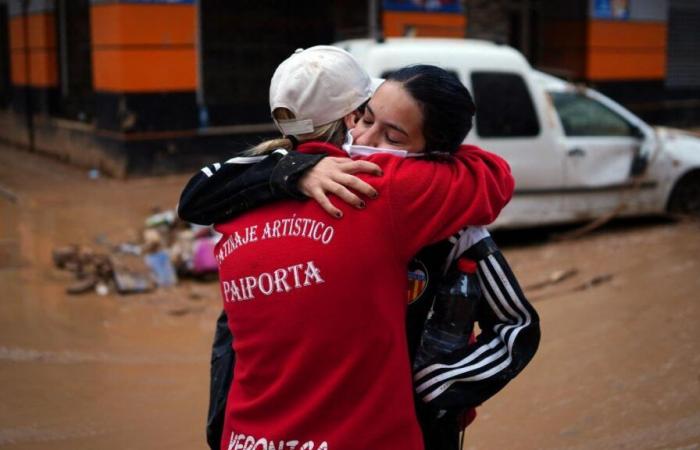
(504, 106)
(584, 116)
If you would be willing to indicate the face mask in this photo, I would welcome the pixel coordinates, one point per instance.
(363, 150)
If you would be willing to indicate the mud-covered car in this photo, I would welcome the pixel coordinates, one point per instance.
(575, 153)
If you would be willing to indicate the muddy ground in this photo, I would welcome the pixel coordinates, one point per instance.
(618, 367)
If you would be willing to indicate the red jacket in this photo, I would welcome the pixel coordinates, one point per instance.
(318, 305)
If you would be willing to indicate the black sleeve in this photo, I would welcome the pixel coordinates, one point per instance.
(219, 192)
(509, 338)
(222, 361)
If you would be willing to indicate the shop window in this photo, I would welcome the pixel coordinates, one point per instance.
(504, 107)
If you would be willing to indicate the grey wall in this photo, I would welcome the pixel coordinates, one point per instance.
(35, 6)
(649, 10)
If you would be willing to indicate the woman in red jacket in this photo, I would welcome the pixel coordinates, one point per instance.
(318, 306)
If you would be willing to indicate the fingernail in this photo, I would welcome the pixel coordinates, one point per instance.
(361, 205)
(380, 173)
(338, 214)
(374, 195)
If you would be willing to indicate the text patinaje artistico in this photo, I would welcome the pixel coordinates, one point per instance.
(280, 280)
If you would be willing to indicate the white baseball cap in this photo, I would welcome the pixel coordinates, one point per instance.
(319, 85)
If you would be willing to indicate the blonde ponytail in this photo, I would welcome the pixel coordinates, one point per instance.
(333, 133)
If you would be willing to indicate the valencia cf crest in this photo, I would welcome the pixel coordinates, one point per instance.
(417, 280)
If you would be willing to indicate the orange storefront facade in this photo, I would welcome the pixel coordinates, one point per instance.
(153, 85)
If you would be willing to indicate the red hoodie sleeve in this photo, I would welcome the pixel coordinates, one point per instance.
(432, 200)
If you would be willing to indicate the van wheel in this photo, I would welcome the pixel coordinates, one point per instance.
(685, 197)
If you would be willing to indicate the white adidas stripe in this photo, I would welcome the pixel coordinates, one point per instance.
(496, 290)
(433, 367)
(246, 159)
(433, 395)
(497, 345)
(449, 374)
(509, 288)
(487, 280)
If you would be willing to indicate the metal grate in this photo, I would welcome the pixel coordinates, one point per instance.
(74, 59)
(683, 64)
(242, 44)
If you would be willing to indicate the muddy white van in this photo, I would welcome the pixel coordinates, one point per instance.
(575, 153)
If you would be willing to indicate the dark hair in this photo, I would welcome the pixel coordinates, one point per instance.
(447, 106)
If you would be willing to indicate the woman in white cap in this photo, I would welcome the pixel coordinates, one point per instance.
(317, 94)
(317, 306)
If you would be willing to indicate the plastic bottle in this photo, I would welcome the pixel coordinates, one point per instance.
(451, 320)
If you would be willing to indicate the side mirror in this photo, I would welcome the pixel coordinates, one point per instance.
(639, 165)
(640, 161)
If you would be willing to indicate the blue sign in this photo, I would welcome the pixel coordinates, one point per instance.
(611, 9)
(166, 2)
(450, 6)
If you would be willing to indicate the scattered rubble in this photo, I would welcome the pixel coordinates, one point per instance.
(593, 282)
(554, 278)
(8, 194)
(168, 249)
(537, 292)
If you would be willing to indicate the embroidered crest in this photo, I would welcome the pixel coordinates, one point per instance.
(417, 280)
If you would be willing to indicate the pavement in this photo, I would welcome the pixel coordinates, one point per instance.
(618, 366)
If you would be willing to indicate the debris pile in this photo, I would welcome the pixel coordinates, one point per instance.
(562, 282)
(168, 249)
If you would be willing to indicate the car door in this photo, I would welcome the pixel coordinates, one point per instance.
(600, 147)
(510, 121)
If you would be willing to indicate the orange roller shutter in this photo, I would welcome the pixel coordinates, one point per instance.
(42, 30)
(626, 50)
(18, 73)
(16, 33)
(144, 70)
(129, 24)
(43, 70)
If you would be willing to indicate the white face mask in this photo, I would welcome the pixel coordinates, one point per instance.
(363, 150)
